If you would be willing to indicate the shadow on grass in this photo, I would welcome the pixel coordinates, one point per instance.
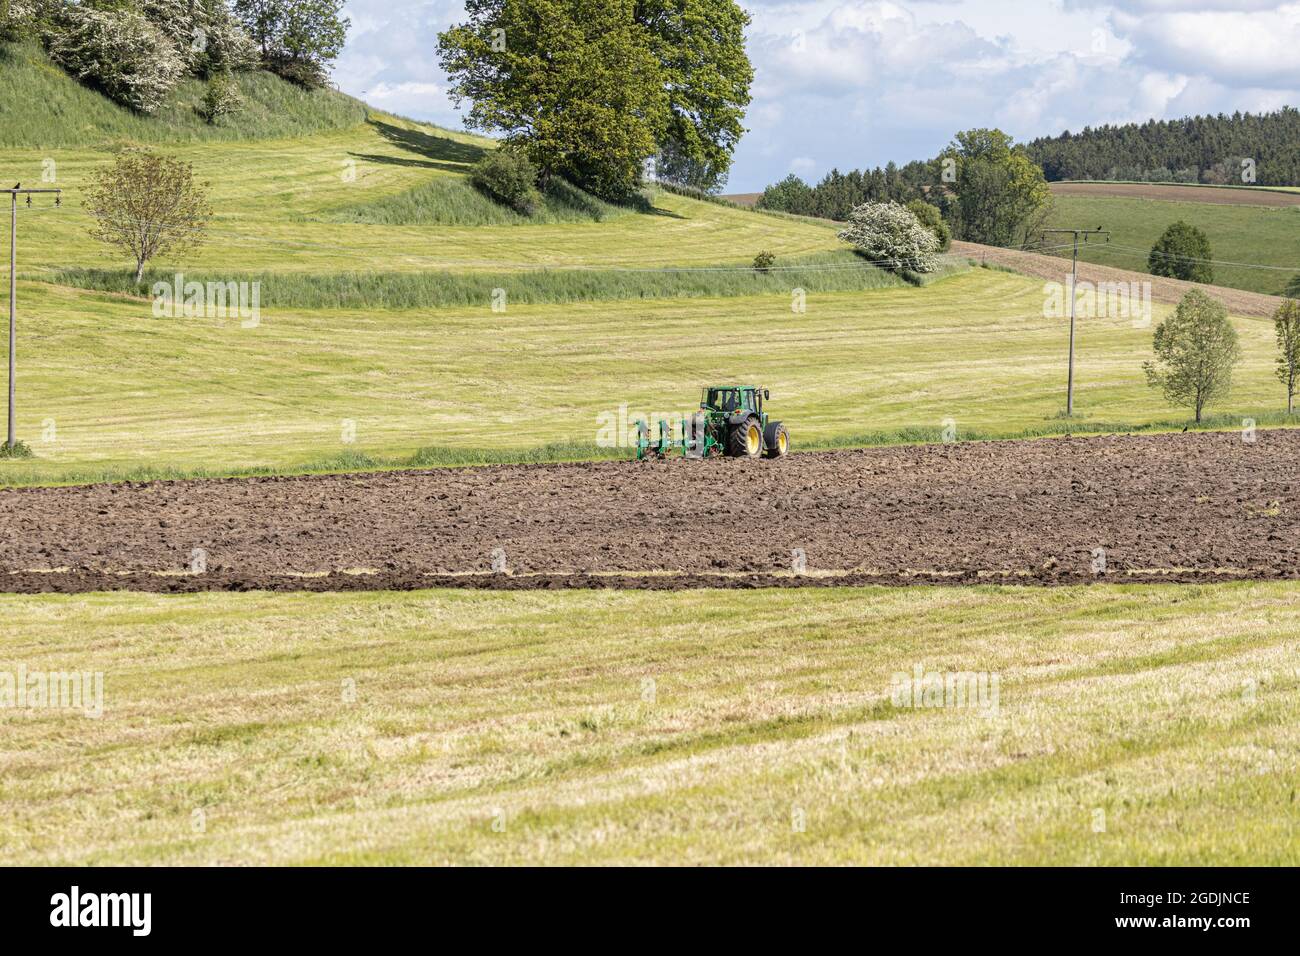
(441, 149)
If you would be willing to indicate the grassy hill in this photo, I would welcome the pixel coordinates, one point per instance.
(41, 107)
(1255, 236)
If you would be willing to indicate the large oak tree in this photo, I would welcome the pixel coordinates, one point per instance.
(590, 89)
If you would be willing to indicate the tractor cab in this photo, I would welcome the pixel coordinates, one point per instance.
(731, 399)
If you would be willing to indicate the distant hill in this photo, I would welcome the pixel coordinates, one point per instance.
(1197, 149)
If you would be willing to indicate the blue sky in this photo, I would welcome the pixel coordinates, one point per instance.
(852, 84)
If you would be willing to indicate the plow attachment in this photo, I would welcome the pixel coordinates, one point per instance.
(695, 440)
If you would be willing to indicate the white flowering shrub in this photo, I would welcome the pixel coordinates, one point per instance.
(208, 38)
(892, 237)
(15, 18)
(121, 52)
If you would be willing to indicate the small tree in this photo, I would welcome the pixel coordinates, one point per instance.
(930, 217)
(221, 98)
(764, 261)
(1182, 252)
(791, 194)
(148, 205)
(1195, 348)
(1286, 320)
(891, 237)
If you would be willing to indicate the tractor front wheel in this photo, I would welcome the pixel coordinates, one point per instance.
(745, 440)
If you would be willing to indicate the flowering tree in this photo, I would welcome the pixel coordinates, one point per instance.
(892, 237)
(122, 52)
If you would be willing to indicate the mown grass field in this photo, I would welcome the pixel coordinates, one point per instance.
(292, 205)
(1256, 235)
(1133, 725)
(106, 389)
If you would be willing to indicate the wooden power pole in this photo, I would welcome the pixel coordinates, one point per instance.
(1074, 278)
(14, 193)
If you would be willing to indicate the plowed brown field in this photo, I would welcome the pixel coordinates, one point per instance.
(1196, 506)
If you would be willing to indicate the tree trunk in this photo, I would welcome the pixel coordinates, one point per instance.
(139, 271)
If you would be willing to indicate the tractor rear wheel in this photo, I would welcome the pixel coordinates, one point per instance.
(777, 440)
(745, 440)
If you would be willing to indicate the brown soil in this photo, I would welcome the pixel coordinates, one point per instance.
(1217, 195)
(1182, 507)
(1056, 268)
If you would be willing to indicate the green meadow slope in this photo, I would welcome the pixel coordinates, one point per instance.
(1263, 241)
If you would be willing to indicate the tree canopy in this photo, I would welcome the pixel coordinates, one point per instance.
(1204, 149)
(999, 196)
(1182, 252)
(1195, 350)
(591, 89)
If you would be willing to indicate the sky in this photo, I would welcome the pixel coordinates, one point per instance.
(853, 84)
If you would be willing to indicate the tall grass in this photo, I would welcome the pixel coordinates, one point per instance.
(841, 271)
(43, 107)
(453, 201)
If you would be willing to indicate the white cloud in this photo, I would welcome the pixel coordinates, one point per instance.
(1260, 48)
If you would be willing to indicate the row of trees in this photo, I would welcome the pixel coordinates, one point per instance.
(1205, 149)
(590, 90)
(838, 193)
(136, 51)
(986, 188)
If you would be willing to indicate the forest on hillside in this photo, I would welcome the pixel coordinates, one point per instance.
(1241, 149)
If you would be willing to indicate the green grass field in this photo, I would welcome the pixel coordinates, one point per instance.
(107, 389)
(1256, 235)
(1135, 182)
(1131, 725)
(284, 206)
(377, 326)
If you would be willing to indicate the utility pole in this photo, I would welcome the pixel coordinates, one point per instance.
(14, 193)
(1074, 277)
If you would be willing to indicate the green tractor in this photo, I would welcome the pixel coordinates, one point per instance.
(731, 421)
